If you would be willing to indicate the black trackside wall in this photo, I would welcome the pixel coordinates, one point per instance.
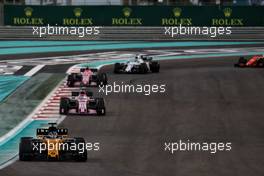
(133, 15)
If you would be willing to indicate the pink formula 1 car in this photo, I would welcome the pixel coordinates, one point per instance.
(82, 103)
(86, 77)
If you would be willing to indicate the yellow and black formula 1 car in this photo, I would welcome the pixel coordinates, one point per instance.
(52, 144)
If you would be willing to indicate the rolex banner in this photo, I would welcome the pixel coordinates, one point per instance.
(133, 15)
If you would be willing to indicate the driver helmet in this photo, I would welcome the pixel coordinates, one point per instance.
(82, 93)
(53, 134)
(138, 56)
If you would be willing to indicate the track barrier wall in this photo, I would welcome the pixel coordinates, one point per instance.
(1, 14)
(134, 15)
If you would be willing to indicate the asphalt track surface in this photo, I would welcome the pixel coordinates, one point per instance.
(206, 100)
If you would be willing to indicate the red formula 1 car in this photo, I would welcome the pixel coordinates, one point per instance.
(86, 77)
(82, 103)
(255, 61)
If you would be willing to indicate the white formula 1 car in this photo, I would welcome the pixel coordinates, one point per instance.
(140, 64)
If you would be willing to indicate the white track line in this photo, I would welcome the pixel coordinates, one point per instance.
(34, 70)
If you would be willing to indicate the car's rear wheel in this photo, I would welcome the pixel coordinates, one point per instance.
(71, 79)
(143, 68)
(101, 111)
(154, 67)
(260, 63)
(102, 79)
(100, 107)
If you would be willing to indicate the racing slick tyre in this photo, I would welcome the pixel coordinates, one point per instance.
(260, 63)
(65, 153)
(25, 149)
(64, 105)
(241, 62)
(143, 68)
(71, 80)
(80, 155)
(117, 68)
(100, 107)
(102, 79)
(89, 94)
(154, 67)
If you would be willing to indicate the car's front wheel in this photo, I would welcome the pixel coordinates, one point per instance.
(81, 154)
(64, 102)
(25, 149)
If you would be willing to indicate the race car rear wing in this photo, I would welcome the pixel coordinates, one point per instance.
(147, 58)
(92, 69)
(75, 94)
(45, 132)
